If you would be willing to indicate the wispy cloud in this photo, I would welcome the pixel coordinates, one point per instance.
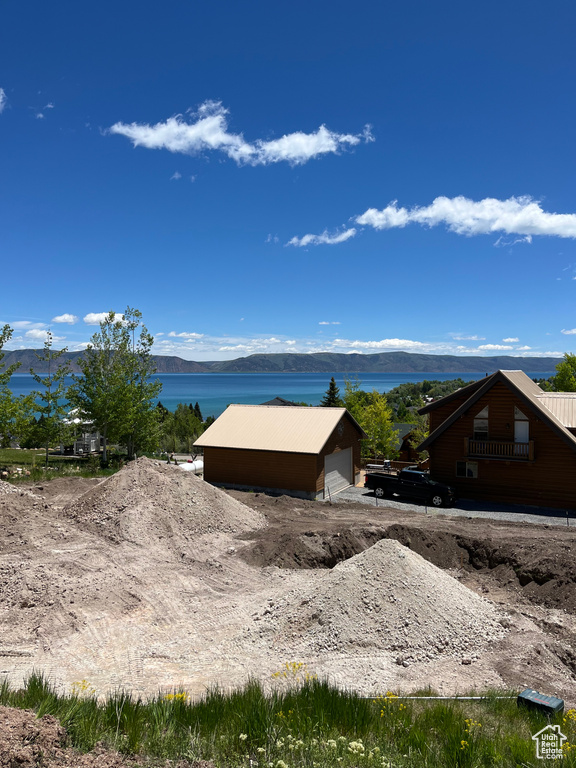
(329, 322)
(208, 131)
(324, 239)
(65, 318)
(511, 340)
(460, 337)
(494, 347)
(3, 100)
(568, 332)
(514, 216)
(175, 176)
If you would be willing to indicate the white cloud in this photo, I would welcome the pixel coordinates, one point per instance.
(514, 216)
(494, 347)
(382, 344)
(467, 338)
(24, 325)
(523, 349)
(323, 239)
(95, 318)
(329, 322)
(65, 318)
(272, 239)
(39, 116)
(517, 215)
(209, 131)
(568, 332)
(3, 100)
(510, 340)
(37, 334)
(185, 335)
(175, 176)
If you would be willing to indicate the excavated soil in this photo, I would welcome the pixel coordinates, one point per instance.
(152, 580)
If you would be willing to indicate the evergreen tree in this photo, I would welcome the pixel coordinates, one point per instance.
(198, 412)
(332, 397)
(49, 400)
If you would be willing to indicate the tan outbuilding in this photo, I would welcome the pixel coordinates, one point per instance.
(312, 452)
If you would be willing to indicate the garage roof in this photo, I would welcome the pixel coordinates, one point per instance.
(300, 429)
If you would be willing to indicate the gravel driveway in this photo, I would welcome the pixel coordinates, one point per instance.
(465, 508)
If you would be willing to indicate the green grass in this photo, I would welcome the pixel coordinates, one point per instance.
(32, 463)
(308, 725)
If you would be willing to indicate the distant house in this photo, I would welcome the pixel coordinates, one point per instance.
(312, 452)
(279, 401)
(503, 439)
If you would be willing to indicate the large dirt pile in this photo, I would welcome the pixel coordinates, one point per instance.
(387, 598)
(148, 501)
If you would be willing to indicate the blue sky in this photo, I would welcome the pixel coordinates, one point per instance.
(290, 176)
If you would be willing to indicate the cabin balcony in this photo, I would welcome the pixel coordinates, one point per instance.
(499, 449)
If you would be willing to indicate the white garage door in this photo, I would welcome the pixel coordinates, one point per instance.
(337, 471)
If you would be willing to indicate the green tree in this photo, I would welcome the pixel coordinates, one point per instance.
(420, 432)
(48, 400)
(15, 412)
(142, 430)
(565, 379)
(332, 398)
(115, 391)
(376, 420)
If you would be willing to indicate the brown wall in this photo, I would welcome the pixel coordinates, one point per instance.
(548, 480)
(262, 469)
(303, 472)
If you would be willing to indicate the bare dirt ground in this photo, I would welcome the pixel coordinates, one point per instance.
(153, 580)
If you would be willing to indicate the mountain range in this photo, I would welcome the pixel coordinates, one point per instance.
(320, 362)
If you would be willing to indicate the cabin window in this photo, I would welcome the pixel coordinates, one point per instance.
(481, 425)
(521, 426)
(467, 469)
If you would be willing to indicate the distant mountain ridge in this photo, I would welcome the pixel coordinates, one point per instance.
(318, 362)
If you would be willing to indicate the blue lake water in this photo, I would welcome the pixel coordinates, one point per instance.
(214, 391)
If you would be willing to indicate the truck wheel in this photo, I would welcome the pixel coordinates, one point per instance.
(379, 492)
(437, 501)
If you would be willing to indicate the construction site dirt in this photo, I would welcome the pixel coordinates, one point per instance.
(152, 580)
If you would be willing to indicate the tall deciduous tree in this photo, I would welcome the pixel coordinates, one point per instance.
(48, 399)
(376, 420)
(565, 379)
(14, 411)
(115, 391)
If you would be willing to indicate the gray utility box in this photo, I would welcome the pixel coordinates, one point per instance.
(548, 705)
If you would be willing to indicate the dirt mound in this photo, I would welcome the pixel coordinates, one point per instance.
(27, 742)
(149, 501)
(388, 598)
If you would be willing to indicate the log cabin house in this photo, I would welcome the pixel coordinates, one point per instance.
(504, 439)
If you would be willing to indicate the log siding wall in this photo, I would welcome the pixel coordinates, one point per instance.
(548, 480)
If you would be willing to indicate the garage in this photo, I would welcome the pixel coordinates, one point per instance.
(306, 451)
(338, 471)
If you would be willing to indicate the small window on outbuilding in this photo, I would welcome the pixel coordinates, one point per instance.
(481, 425)
(467, 469)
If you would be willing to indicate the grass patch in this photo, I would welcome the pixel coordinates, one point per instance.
(32, 464)
(308, 725)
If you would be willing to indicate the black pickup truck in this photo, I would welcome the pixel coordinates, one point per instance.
(412, 484)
